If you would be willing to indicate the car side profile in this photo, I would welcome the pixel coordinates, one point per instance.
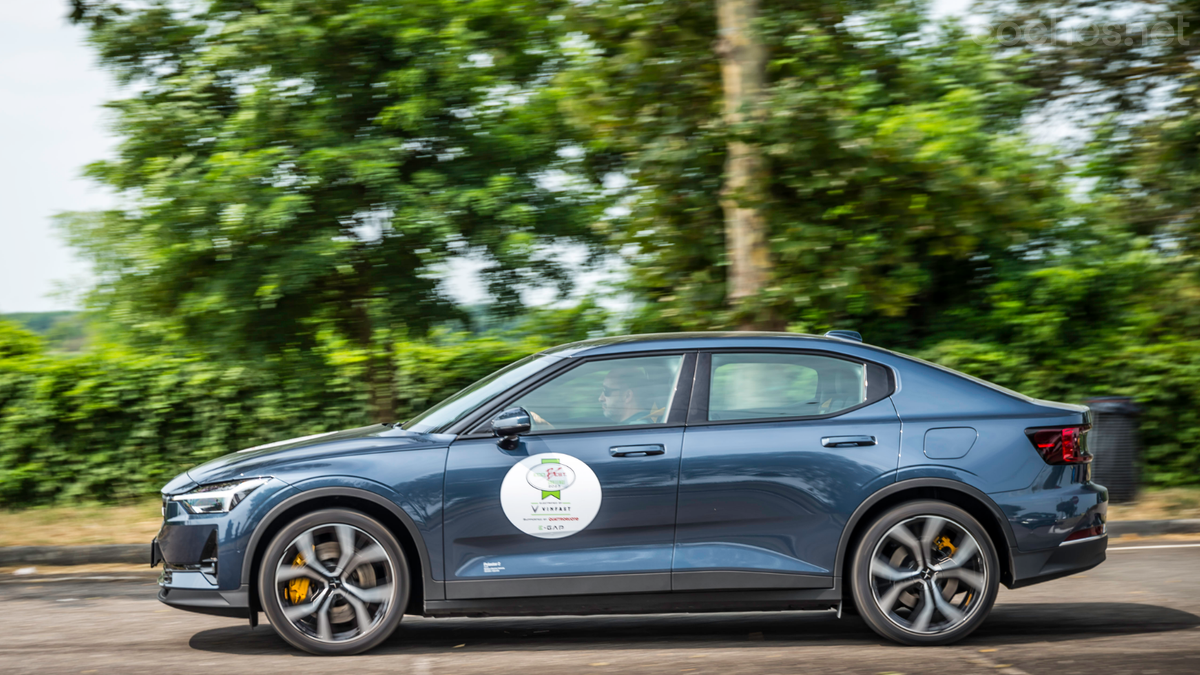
(690, 472)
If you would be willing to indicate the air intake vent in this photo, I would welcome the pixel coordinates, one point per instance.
(845, 335)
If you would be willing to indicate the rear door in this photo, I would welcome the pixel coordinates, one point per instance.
(781, 447)
(585, 503)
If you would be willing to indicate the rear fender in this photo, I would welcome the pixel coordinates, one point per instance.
(955, 491)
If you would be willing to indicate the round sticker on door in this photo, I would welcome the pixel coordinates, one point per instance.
(550, 495)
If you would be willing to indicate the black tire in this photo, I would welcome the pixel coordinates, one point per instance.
(895, 596)
(315, 604)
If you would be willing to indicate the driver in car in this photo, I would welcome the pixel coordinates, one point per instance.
(625, 398)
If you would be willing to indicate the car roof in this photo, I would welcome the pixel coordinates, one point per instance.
(696, 340)
(767, 340)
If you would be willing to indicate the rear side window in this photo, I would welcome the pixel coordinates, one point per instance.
(769, 385)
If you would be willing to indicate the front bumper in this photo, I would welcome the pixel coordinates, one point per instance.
(192, 558)
(189, 578)
(204, 555)
(235, 604)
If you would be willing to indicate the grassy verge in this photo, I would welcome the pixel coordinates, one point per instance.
(1159, 504)
(38, 572)
(79, 525)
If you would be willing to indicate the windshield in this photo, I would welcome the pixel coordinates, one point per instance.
(441, 416)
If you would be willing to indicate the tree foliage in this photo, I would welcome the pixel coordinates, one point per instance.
(899, 174)
(292, 167)
(1127, 77)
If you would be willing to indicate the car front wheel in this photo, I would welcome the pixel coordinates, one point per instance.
(925, 573)
(334, 582)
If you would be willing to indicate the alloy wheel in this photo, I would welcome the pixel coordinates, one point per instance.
(928, 575)
(335, 583)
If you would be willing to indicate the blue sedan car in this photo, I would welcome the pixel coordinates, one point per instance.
(653, 473)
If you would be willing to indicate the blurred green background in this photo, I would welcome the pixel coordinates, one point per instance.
(294, 178)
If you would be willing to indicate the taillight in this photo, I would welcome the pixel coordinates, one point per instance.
(1061, 445)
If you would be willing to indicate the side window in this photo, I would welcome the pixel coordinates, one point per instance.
(762, 386)
(608, 393)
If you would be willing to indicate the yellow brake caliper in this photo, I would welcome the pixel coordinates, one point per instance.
(941, 543)
(297, 588)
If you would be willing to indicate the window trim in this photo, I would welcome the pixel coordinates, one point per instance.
(702, 390)
(676, 417)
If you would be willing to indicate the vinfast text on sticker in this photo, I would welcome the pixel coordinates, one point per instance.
(550, 495)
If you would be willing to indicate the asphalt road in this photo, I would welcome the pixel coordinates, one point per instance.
(1139, 612)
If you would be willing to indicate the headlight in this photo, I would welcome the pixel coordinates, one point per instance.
(218, 497)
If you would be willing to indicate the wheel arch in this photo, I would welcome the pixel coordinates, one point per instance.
(382, 509)
(968, 498)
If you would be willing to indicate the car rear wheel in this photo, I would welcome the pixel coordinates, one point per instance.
(925, 573)
(334, 582)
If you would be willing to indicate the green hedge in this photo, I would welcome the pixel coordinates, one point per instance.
(112, 425)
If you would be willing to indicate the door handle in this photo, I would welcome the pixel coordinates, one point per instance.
(847, 441)
(636, 450)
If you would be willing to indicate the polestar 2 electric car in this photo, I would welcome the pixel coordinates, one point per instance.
(690, 472)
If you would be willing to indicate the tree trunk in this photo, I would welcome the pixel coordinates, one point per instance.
(743, 70)
(383, 382)
(380, 376)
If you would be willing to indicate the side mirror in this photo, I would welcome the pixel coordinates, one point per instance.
(510, 424)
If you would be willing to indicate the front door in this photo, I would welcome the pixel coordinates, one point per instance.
(585, 503)
(780, 448)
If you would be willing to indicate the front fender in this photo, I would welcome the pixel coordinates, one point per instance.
(348, 487)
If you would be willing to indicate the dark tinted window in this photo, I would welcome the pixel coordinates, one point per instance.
(766, 385)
